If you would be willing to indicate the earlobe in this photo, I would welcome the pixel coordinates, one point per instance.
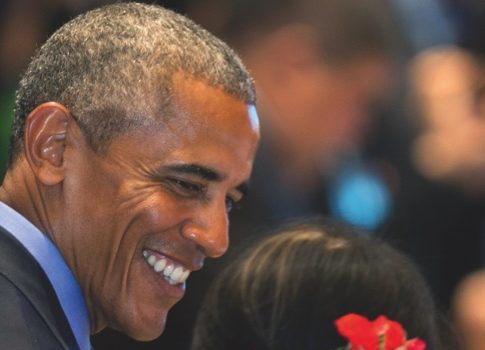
(45, 141)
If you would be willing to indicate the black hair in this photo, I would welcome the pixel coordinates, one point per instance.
(113, 67)
(286, 291)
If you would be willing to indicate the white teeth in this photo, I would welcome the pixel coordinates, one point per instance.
(160, 265)
(168, 270)
(172, 272)
(177, 273)
(152, 260)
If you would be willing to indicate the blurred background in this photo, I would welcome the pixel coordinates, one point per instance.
(372, 111)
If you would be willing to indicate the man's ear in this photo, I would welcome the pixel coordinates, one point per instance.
(45, 141)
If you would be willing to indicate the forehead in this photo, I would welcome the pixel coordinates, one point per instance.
(195, 99)
(202, 121)
(202, 111)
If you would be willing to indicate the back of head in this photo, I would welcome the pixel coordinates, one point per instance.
(113, 67)
(287, 291)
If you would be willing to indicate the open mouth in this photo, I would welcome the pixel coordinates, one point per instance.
(172, 272)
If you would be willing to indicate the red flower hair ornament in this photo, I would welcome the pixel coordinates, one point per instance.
(380, 334)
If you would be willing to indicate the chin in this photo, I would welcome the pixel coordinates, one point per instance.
(144, 330)
(146, 334)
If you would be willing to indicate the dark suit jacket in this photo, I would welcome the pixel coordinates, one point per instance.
(30, 314)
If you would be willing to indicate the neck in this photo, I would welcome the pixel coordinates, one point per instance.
(21, 192)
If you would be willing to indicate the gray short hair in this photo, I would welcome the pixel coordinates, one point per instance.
(113, 67)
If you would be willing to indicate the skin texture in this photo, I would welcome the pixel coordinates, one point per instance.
(166, 189)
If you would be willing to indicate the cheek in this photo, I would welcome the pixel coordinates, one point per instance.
(138, 308)
(134, 307)
(151, 213)
(158, 209)
(90, 207)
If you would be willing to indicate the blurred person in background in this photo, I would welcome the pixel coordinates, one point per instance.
(323, 70)
(439, 211)
(448, 83)
(468, 310)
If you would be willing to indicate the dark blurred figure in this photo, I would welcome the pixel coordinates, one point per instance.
(439, 215)
(439, 212)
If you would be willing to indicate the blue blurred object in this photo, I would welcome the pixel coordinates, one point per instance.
(361, 197)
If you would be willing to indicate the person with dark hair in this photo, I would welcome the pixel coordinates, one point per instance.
(287, 291)
(134, 134)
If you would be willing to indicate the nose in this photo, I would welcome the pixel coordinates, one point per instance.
(208, 228)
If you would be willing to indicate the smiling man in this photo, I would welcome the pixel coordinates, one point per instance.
(134, 134)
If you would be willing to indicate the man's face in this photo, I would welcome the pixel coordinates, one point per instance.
(139, 219)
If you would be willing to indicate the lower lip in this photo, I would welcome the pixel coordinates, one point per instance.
(175, 291)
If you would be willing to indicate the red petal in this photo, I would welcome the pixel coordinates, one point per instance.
(395, 336)
(380, 325)
(358, 330)
(393, 332)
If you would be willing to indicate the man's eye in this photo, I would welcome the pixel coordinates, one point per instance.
(186, 189)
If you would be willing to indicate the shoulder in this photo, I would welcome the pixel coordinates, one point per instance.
(30, 314)
(20, 325)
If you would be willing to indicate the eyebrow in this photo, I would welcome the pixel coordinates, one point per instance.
(204, 173)
(197, 170)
